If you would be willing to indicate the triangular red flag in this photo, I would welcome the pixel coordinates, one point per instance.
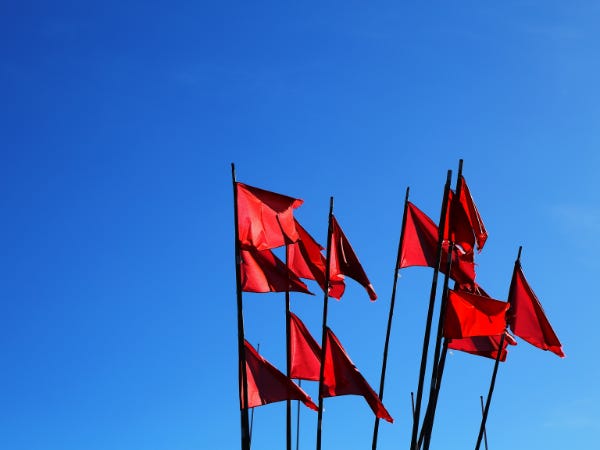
(345, 262)
(343, 378)
(305, 352)
(266, 384)
(526, 316)
(265, 219)
(306, 261)
(470, 315)
(419, 248)
(464, 225)
(486, 346)
(262, 271)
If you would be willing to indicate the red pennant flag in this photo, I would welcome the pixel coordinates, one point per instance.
(526, 317)
(345, 262)
(473, 315)
(305, 354)
(464, 225)
(265, 219)
(343, 378)
(419, 248)
(262, 271)
(266, 384)
(306, 261)
(486, 346)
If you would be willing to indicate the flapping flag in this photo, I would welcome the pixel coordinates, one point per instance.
(470, 315)
(464, 225)
(344, 261)
(486, 346)
(419, 248)
(266, 384)
(526, 316)
(262, 271)
(265, 219)
(305, 354)
(306, 261)
(343, 378)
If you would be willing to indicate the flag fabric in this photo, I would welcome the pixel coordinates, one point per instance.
(341, 377)
(527, 318)
(266, 384)
(265, 219)
(262, 271)
(306, 261)
(486, 346)
(470, 315)
(419, 248)
(464, 225)
(305, 352)
(344, 261)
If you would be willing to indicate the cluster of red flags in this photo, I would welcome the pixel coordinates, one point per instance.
(474, 322)
(265, 221)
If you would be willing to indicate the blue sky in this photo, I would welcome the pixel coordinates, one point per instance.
(119, 124)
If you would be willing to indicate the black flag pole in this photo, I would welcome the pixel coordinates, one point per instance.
(243, 380)
(496, 364)
(390, 316)
(426, 337)
(288, 359)
(484, 432)
(298, 420)
(324, 334)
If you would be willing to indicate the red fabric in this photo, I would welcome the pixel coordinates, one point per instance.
(345, 262)
(265, 219)
(486, 346)
(464, 225)
(305, 352)
(343, 378)
(473, 315)
(306, 261)
(262, 271)
(266, 384)
(526, 317)
(419, 248)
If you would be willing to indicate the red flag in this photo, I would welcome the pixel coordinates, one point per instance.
(419, 248)
(266, 384)
(464, 224)
(345, 262)
(473, 315)
(306, 261)
(526, 317)
(305, 354)
(343, 378)
(486, 346)
(265, 219)
(262, 271)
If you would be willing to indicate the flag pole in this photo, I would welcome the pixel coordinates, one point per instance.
(242, 378)
(298, 420)
(484, 432)
(390, 316)
(288, 359)
(496, 364)
(426, 337)
(425, 435)
(437, 369)
(324, 335)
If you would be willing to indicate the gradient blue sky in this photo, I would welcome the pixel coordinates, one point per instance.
(119, 121)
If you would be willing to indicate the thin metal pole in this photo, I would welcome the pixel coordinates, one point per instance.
(440, 374)
(298, 420)
(498, 356)
(324, 334)
(243, 380)
(288, 352)
(484, 431)
(426, 337)
(390, 316)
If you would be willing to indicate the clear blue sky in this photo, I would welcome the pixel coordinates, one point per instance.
(119, 122)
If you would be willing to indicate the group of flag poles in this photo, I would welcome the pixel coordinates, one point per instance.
(469, 319)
